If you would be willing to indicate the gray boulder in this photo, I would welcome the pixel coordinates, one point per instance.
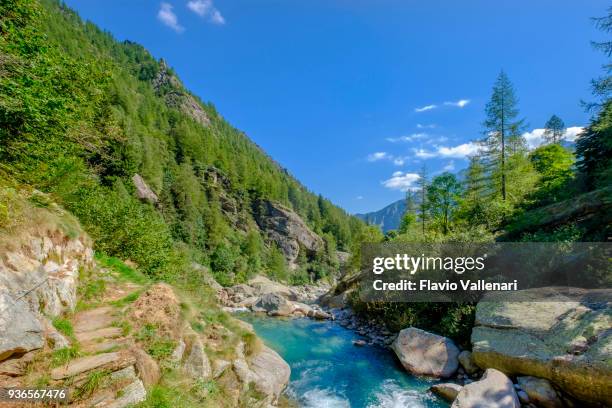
(467, 362)
(424, 353)
(540, 392)
(540, 338)
(274, 304)
(448, 391)
(20, 330)
(494, 390)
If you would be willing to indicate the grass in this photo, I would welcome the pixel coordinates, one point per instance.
(94, 381)
(64, 326)
(124, 272)
(125, 326)
(127, 299)
(64, 355)
(158, 347)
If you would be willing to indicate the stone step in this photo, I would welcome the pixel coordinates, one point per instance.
(102, 346)
(98, 321)
(88, 314)
(106, 333)
(83, 364)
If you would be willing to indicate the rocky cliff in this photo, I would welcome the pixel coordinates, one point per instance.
(287, 230)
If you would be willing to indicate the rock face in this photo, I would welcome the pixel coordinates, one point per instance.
(197, 364)
(45, 269)
(38, 275)
(424, 353)
(266, 370)
(143, 191)
(271, 372)
(566, 342)
(286, 229)
(176, 96)
(494, 390)
(20, 331)
(540, 392)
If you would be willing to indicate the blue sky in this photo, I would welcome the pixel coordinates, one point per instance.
(354, 96)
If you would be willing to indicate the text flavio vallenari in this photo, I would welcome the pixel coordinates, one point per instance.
(413, 264)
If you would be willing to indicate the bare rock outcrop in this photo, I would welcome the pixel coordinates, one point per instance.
(566, 341)
(176, 96)
(143, 191)
(285, 228)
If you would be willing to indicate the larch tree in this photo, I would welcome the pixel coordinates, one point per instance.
(554, 129)
(501, 126)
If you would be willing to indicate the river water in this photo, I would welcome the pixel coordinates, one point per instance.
(328, 371)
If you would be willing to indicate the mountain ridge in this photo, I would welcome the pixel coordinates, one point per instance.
(388, 218)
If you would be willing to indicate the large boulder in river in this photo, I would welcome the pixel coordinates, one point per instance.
(274, 304)
(424, 353)
(284, 227)
(566, 341)
(494, 390)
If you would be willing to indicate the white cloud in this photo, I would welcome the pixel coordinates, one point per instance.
(378, 156)
(167, 17)
(217, 18)
(423, 154)
(420, 126)
(450, 166)
(425, 108)
(409, 138)
(359, 197)
(401, 181)
(461, 103)
(206, 8)
(536, 137)
(461, 151)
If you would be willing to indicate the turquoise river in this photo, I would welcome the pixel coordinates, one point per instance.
(328, 371)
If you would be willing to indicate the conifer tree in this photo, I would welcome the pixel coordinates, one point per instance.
(501, 126)
(423, 204)
(554, 129)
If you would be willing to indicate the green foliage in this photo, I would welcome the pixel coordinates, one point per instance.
(554, 163)
(554, 129)
(277, 267)
(124, 272)
(80, 115)
(442, 199)
(594, 149)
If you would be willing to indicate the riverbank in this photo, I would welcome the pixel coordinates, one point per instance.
(328, 370)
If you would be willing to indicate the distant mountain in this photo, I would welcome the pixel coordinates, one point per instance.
(388, 218)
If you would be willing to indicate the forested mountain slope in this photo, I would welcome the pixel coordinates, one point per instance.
(99, 124)
(388, 218)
